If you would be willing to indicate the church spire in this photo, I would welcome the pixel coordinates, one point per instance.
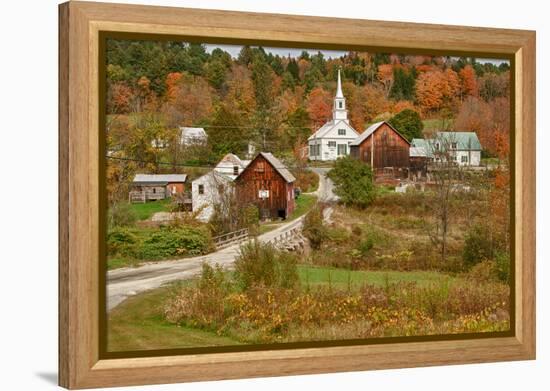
(339, 112)
(339, 93)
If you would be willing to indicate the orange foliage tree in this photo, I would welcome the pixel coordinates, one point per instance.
(468, 80)
(319, 106)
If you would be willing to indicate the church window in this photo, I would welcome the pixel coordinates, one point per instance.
(340, 104)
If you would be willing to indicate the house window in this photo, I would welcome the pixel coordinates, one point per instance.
(453, 145)
(235, 170)
(201, 189)
(341, 132)
(437, 146)
(332, 144)
(464, 159)
(312, 150)
(340, 105)
(342, 149)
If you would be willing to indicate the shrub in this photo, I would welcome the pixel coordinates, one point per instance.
(477, 245)
(121, 241)
(202, 305)
(353, 182)
(121, 214)
(314, 229)
(502, 260)
(171, 241)
(260, 264)
(484, 271)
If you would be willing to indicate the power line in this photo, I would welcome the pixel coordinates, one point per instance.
(181, 165)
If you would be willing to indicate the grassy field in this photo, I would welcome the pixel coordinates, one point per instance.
(138, 324)
(354, 279)
(145, 211)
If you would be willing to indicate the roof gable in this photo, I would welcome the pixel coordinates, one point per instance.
(373, 128)
(329, 126)
(279, 167)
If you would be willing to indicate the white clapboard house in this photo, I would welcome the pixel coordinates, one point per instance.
(463, 148)
(332, 140)
(209, 189)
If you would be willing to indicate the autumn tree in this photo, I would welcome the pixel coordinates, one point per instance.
(319, 106)
(191, 103)
(468, 81)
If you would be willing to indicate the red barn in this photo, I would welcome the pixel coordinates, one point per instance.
(381, 146)
(268, 184)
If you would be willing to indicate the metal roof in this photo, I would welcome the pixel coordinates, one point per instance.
(466, 141)
(159, 178)
(278, 166)
(371, 129)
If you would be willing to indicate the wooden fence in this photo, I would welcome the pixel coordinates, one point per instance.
(230, 238)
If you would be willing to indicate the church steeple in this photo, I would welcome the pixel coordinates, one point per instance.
(339, 111)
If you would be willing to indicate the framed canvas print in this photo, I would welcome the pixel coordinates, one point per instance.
(248, 195)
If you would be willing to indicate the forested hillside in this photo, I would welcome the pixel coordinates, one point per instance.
(277, 102)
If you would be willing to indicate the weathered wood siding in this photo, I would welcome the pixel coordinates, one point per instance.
(260, 175)
(390, 149)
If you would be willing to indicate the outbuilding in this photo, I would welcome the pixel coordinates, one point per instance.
(147, 187)
(269, 185)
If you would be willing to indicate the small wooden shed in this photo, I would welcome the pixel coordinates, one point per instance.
(269, 185)
(381, 146)
(147, 187)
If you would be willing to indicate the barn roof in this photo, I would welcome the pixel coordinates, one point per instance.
(160, 179)
(278, 166)
(371, 129)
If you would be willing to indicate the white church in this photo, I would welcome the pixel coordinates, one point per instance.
(332, 140)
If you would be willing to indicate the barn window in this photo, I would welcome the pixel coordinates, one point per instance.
(332, 144)
(341, 132)
(235, 170)
(342, 149)
(260, 167)
(201, 189)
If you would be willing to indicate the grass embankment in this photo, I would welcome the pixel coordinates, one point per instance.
(139, 323)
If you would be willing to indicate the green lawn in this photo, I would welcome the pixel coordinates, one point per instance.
(138, 324)
(342, 278)
(437, 124)
(146, 210)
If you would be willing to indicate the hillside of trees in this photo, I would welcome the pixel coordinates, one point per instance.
(277, 101)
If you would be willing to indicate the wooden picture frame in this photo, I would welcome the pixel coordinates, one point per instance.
(80, 361)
